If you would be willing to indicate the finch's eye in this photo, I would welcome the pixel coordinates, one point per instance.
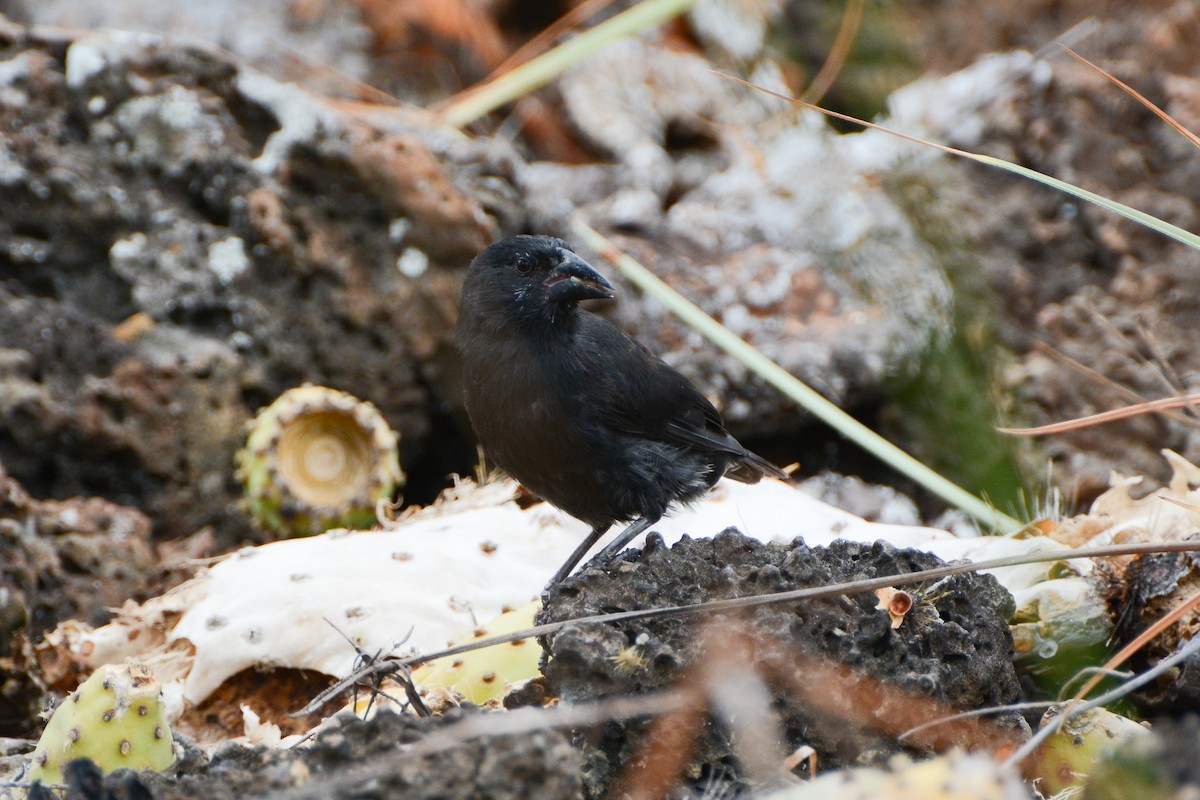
(524, 264)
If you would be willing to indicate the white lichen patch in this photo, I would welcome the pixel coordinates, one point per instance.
(93, 53)
(300, 115)
(14, 69)
(124, 252)
(412, 263)
(227, 258)
(12, 171)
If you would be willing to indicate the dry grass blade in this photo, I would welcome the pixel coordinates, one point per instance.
(361, 89)
(1106, 416)
(666, 751)
(890, 709)
(391, 665)
(1133, 397)
(541, 70)
(1164, 116)
(740, 699)
(527, 51)
(551, 33)
(846, 35)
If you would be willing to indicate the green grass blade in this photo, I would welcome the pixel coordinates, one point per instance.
(792, 387)
(1140, 217)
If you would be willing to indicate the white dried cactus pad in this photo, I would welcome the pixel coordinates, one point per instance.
(439, 571)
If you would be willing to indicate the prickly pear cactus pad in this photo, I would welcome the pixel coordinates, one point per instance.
(483, 675)
(954, 776)
(1065, 760)
(436, 571)
(318, 459)
(114, 718)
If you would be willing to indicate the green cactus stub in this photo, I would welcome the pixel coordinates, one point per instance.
(115, 718)
(480, 676)
(317, 459)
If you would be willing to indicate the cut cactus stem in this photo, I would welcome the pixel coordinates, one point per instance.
(318, 459)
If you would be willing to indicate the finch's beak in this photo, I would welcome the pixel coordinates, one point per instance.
(574, 280)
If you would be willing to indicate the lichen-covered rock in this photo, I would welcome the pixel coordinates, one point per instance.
(182, 239)
(953, 647)
(1085, 292)
(115, 718)
(62, 560)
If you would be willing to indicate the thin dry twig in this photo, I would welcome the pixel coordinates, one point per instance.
(361, 89)
(1099, 377)
(1164, 116)
(975, 712)
(854, 587)
(1163, 366)
(1134, 349)
(1111, 415)
(402, 677)
(1128, 650)
(518, 721)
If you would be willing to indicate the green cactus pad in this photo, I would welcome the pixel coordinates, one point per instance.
(317, 459)
(953, 776)
(1064, 761)
(483, 675)
(115, 718)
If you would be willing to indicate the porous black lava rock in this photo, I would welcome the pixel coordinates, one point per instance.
(954, 646)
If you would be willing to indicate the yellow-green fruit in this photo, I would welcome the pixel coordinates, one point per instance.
(317, 459)
(1066, 758)
(953, 776)
(1139, 770)
(482, 675)
(115, 718)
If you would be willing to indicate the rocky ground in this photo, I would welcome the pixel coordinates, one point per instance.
(195, 220)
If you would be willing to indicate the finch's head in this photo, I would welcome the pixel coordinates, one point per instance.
(532, 277)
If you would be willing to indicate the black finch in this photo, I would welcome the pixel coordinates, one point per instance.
(573, 407)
